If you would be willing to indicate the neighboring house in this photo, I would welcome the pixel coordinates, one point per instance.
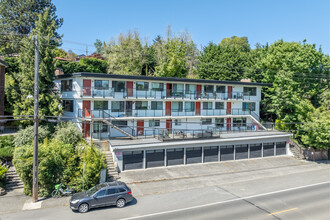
(108, 106)
(3, 66)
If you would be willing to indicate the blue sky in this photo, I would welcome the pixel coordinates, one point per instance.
(206, 20)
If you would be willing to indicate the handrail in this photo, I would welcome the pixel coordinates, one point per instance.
(111, 119)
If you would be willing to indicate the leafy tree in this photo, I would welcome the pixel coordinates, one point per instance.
(125, 56)
(25, 136)
(6, 147)
(99, 45)
(241, 43)
(60, 53)
(68, 133)
(19, 17)
(11, 82)
(3, 171)
(94, 65)
(49, 103)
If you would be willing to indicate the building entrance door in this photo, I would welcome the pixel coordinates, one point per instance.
(168, 106)
(198, 108)
(228, 108)
(198, 91)
(168, 90)
(86, 108)
(87, 84)
(140, 127)
(169, 125)
(129, 86)
(230, 92)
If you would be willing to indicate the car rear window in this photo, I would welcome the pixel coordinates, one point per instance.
(122, 190)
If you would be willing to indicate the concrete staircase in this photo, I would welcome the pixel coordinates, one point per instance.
(296, 151)
(111, 168)
(12, 180)
(119, 129)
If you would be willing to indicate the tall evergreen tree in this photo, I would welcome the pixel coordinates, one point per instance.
(49, 103)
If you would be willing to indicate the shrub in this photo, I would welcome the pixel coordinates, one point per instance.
(68, 133)
(3, 171)
(59, 163)
(6, 147)
(25, 136)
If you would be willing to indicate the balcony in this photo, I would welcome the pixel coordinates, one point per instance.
(84, 113)
(165, 94)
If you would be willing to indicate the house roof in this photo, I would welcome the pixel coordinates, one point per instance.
(3, 63)
(171, 79)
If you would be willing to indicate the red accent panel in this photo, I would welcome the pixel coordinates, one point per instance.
(168, 106)
(228, 108)
(87, 84)
(168, 90)
(129, 86)
(169, 125)
(198, 108)
(230, 92)
(228, 124)
(140, 127)
(198, 90)
(86, 108)
(86, 129)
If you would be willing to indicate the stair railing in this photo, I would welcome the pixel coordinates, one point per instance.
(112, 119)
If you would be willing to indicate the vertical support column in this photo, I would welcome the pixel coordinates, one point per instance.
(202, 154)
(144, 159)
(234, 152)
(219, 154)
(248, 151)
(184, 156)
(165, 157)
(274, 148)
(262, 149)
(287, 145)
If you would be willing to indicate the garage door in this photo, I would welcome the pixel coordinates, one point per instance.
(211, 154)
(242, 152)
(280, 148)
(255, 150)
(155, 158)
(227, 152)
(268, 149)
(194, 155)
(174, 156)
(132, 160)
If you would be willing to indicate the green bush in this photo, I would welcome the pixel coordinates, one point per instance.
(68, 133)
(3, 171)
(59, 163)
(6, 147)
(25, 136)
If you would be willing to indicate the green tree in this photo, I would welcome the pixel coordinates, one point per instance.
(99, 45)
(68, 133)
(25, 136)
(94, 65)
(49, 103)
(19, 17)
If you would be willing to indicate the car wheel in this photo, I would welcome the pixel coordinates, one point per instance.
(120, 203)
(83, 208)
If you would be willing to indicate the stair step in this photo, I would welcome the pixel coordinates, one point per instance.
(14, 184)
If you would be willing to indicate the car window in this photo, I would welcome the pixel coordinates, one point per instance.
(101, 193)
(122, 190)
(111, 191)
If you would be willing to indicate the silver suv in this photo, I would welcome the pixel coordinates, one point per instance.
(104, 194)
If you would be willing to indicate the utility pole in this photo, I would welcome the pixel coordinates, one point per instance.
(36, 122)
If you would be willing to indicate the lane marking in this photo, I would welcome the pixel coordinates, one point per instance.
(282, 211)
(227, 201)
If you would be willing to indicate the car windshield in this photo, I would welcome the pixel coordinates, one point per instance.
(92, 190)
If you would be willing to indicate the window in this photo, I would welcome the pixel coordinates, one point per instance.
(68, 105)
(177, 106)
(190, 89)
(119, 86)
(177, 122)
(157, 86)
(112, 191)
(142, 86)
(141, 105)
(209, 88)
(100, 127)
(122, 190)
(101, 84)
(220, 122)
(189, 106)
(120, 123)
(178, 88)
(249, 106)
(101, 193)
(66, 85)
(251, 91)
(154, 123)
(100, 105)
(206, 121)
(207, 105)
(221, 89)
(156, 105)
(239, 122)
(117, 106)
(219, 105)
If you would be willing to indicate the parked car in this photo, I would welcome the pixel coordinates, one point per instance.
(104, 194)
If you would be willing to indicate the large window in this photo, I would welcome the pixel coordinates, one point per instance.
(154, 123)
(178, 88)
(142, 86)
(101, 84)
(157, 86)
(156, 105)
(190, 89)
(251, 91)
(141, 105)
(68, 105)
(117, 106)
(219, 105)
(209, 88)
(249, 106)
(189, 106)
(100, 127)
(239, 122)
(221, 89)
(120, 123)
(177, 122)
(207, 105)
(220, 122)
(66, 85)
(119, 86)
(206, 121)
(100, 105)
(177, 106)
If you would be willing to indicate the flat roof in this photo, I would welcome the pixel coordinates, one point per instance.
(171, 79)
(127, 144)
